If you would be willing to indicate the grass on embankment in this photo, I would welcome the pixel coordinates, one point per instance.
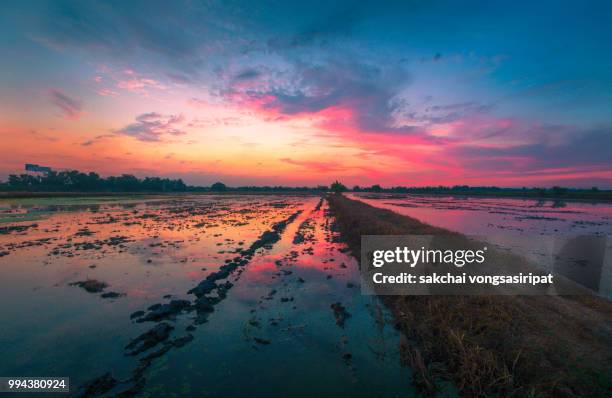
(528, 346)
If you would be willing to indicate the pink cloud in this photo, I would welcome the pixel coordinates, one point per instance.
(153, 127)
(69, 107)
(139, 84)
(105, 92)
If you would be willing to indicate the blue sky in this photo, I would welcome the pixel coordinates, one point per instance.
(411, 93)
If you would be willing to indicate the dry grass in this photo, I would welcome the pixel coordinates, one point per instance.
(524, 346)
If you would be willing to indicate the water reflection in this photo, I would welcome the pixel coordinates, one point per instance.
(73, 274)
(569, 238)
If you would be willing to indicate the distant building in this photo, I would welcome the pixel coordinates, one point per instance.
(36, 168)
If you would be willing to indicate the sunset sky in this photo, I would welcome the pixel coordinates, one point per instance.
(301, 93)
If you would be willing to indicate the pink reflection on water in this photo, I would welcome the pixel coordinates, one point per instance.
(480, 216)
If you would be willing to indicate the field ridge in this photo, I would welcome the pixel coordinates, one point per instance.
(526, 346)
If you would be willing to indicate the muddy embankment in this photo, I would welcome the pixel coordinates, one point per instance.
(540, 346)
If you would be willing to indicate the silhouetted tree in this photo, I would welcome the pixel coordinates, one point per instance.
(218, 187)
(338, 187)
(558, 191)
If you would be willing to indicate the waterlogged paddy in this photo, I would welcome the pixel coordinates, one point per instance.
(203, 295)
(540, 230)
(484, 216)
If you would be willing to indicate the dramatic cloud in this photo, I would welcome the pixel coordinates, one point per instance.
(363, 93)
(153, 127)
(414, 92)
(579, 149)
(70, 108)
(156, 27)
(185, 33)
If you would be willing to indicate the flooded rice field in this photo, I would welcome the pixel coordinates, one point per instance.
(547, 232)
(198, 295)
(484, 216)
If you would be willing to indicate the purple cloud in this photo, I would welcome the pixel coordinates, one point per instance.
(153, 126)
(70, 107)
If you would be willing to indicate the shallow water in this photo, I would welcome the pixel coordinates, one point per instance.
(272, 332)
(536, 229)
(483, 216)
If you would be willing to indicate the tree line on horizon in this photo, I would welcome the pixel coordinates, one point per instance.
(337, 186)
(76, 181)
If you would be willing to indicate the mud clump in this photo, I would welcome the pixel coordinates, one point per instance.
(159, 312)
(261, 341)
(91, 285)
(112, 295)
(340, 314)
(97, 386)
(137, 314)
(16, 229)
(203, 288)
(149, 339)
(204, 306)
(181, 341)
(305, 232)
(268, 238)
(84, 232)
